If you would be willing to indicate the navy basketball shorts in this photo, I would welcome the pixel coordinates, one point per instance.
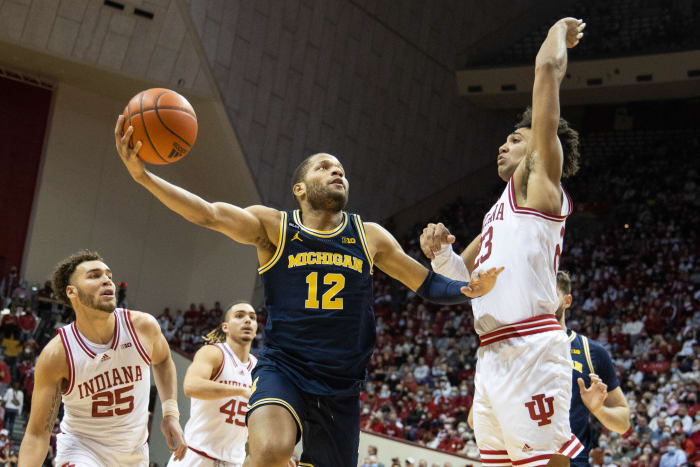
(329, 426)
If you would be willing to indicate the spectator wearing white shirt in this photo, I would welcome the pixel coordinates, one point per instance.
(674, 457)
(422, 371)
(14, 401)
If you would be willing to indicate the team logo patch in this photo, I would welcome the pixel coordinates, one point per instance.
(576, 351)
(126, 346)
(349, 240)
(541, 415)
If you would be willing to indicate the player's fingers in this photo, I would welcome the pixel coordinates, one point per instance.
(136, 149)
(581, 384)
(127, 135)
(469, 290)
(118, 127)
(451, 238)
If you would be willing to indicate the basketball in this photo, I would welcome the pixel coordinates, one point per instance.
(164, 122)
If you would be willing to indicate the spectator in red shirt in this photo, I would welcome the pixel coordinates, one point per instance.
(4, 376)
(27, 324)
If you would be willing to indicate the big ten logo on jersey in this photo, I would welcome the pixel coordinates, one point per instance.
(105, 401)
(349, 240)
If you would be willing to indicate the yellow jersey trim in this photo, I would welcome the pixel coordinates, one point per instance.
(321, 233)
(572, 336)
(305, 464)
(280, 245)
(587, 351)
(363, 239)
(283, 403)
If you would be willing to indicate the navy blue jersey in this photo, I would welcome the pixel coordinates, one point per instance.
(588, 356)
(320, 327)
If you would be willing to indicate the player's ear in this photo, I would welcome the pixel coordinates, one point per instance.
(71, 291)
(567, 301)
(299, 189)
(224, 327)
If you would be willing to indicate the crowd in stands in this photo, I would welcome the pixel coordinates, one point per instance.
(18, 352)
(614, 29)
(636, 289)
(631, 249)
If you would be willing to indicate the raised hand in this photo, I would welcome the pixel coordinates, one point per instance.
(574, 30)
(595, 395)
(128, 154)
(433, 238)
(482, 282)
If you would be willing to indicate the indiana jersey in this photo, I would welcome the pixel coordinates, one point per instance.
(588, 356)
(318, 295)
(106, 398)
(216, 428)
(529, 244)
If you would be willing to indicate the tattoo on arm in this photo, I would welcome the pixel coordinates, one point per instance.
(53, 413)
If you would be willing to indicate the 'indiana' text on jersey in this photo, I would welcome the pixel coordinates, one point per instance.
(318, 295)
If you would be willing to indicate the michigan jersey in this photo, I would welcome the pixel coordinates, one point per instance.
(529, 244)
(587, 356)
(318, 296)
(106, 398)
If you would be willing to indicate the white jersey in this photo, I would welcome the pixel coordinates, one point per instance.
(529, 244)
(216, 428)
(106, 399)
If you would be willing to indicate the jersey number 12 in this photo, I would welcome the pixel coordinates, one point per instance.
(328, 300)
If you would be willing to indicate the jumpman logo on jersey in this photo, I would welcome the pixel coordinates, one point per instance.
(297, 237)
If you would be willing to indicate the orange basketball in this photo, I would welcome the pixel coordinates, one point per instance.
(164, 122)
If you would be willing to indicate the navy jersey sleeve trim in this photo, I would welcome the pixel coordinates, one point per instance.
(606, 367)
(280, 245)
(587, 352)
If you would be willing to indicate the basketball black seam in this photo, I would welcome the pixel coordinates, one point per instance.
(145, 129)
(163, 123)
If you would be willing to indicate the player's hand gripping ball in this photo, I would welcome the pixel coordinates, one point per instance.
(164, 122)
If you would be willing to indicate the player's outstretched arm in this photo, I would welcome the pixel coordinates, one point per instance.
(436, 242)
(198, 379)
(242, 225)
(165, 376)
(390, 258)
(51, 370)
(548, 157)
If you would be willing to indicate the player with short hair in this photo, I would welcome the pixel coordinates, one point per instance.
(99, 366)
(523, 376)
(316, 264)
(218, 381)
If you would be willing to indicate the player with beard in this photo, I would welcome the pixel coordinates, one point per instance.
(316, 264)
(99, 366)
(219, 383)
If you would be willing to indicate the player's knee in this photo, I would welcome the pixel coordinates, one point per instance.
(271, 453)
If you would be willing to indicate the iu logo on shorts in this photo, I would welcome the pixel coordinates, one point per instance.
(540, 414)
